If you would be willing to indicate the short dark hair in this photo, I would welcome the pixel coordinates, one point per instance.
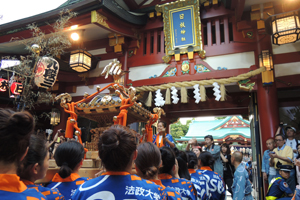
(116, 146)
(282, 136)
(210, 137)
(290, 127)
(148, 159)
(67, 156)
(15, 131)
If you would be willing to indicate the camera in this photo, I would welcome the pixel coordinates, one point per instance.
(282, 124)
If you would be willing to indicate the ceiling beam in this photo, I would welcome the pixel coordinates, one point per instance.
(239, 9)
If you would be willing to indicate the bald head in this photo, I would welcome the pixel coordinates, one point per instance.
(238, 156)
(270, 140)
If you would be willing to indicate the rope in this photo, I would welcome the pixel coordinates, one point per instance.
(202, 82)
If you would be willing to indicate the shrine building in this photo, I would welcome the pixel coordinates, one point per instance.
(190, 58)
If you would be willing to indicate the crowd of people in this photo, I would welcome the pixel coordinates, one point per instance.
(149, 170)
(280, 163)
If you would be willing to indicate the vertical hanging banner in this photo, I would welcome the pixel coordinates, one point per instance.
(46, 72)
(182, 28)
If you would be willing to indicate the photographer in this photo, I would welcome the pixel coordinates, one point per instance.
(291, 141)
(283, 155)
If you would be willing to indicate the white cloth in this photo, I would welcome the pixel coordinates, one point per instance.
(160, 138)
(272, 171)
(293, 144)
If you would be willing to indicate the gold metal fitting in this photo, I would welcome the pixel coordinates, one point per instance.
(115, 118)
(77, 133)
(98, 88)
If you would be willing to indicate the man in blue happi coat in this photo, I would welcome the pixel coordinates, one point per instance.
(241, 187)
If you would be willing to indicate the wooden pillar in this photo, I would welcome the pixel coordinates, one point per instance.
(267, 99)
(268, 111)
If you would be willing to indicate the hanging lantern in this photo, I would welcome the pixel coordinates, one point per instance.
(3, 85)
(284, 27)
(265, 60)
(46, 72)
(16, 88)
(80, 60)
(55, 117)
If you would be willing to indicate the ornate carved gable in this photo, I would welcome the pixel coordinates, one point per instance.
(234, 122)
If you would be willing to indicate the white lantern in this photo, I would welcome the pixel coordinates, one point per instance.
(46, 72)
(284, 27)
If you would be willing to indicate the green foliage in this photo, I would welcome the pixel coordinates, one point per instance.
(178, 129)
(218, 118)
(181, 147)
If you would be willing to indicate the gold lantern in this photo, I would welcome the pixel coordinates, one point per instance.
(265, 60)
(80, 60)
(284, 27)
(55, 117)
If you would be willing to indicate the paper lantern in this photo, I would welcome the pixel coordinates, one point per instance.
(265, 60)
(3, 85)
(16, 88)
(46, 72)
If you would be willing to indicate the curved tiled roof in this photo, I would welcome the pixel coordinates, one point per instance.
(199, 129)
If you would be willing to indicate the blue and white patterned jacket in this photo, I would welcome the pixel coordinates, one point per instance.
(241, 187)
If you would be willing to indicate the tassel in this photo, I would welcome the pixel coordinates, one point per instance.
(223, 92)
(149, 100)
(168, 97)
(202, 93)
(183, 93)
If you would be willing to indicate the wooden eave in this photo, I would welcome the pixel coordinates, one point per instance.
(113, 12)
(48, 17)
